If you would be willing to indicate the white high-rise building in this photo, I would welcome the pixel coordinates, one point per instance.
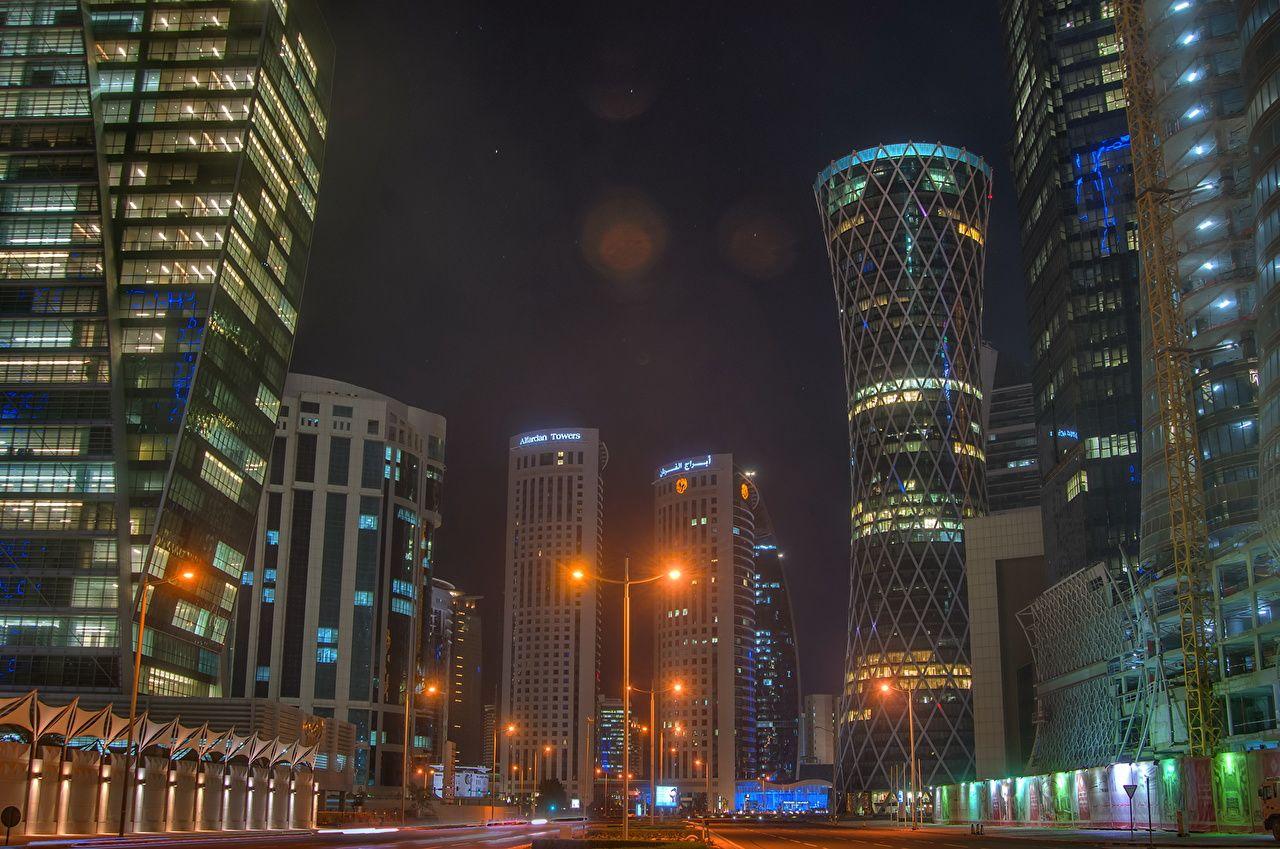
(706, 627)
(551, 634)
(334, 603)
(817, 729)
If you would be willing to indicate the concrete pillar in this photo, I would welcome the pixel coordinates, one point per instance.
(182, 795)
(304, 796)
(109, 794)
(236, 783)
(79, 789)
(213, 801)
(152, 794)
(258, 795)
(43, 813)
(280, 797)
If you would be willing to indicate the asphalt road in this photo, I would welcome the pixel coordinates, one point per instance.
(800, 835)
(492, 837)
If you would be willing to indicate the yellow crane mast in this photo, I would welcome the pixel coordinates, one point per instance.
(1172, 364)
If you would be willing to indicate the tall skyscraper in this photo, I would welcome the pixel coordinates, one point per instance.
(777, 663)
(905, 228)
(489, 738)
(1202, 99)
(551, 626)
(162, 163)
(1013, 470)
(437, 670)
(334, 605)
(1260, 21)
(1073, 177)
(466, 722)
(1082, 252)
(609, 741)
(706, 627)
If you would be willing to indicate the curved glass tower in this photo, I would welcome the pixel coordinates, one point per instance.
(906, 226)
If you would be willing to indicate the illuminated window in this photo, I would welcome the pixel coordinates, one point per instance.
(1078, 483)
(970, 231)
(1115, 445)
(228, 559)
(222, 477)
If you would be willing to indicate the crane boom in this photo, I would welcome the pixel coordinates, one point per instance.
(1172, 369)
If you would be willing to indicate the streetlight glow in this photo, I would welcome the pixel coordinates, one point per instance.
(578, 574)
(674, 574)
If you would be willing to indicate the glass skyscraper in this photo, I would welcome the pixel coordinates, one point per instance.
(159, 170)
(906, 228)
(777, 662)
(1073, 178)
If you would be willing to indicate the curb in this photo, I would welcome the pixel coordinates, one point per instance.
(51, 841)
(1136, 843)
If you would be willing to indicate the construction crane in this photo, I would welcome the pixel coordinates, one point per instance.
(1172, 365)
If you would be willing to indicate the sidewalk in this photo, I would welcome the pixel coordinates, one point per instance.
(1113, 837)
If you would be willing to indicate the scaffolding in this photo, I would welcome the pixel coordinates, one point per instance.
(1093, 692)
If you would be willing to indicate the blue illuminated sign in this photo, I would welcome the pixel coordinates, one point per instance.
(1068, 434)
(550, 436)
(685, 466)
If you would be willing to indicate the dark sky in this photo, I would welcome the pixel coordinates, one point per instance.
(584, 214)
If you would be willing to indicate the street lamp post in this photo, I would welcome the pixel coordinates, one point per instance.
(653, 750)
(706, 807)
(533, 803)
(886, 687)
(410, 714)
(493, 791)
(126, 801)
(626, 583)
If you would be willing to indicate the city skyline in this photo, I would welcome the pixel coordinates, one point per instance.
(572, 268)
(755, 312)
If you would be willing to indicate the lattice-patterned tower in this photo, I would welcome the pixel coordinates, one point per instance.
(906, 226)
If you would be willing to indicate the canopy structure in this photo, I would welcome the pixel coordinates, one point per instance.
(61, 766)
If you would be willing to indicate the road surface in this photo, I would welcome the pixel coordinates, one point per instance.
(802, 835)
(353, 837)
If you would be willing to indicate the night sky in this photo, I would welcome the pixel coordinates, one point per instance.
(567, 214)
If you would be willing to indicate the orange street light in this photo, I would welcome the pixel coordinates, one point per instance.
(126, 797)
(579, 574)
(886, 687)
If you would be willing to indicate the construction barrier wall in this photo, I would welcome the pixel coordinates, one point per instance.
(1213, 794)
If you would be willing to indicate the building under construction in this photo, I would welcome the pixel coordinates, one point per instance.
(1181, 649)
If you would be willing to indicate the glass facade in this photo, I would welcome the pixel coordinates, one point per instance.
(777, 664)
(159, 169)
(1073, 179)
(1213, 62)
(905, 227)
